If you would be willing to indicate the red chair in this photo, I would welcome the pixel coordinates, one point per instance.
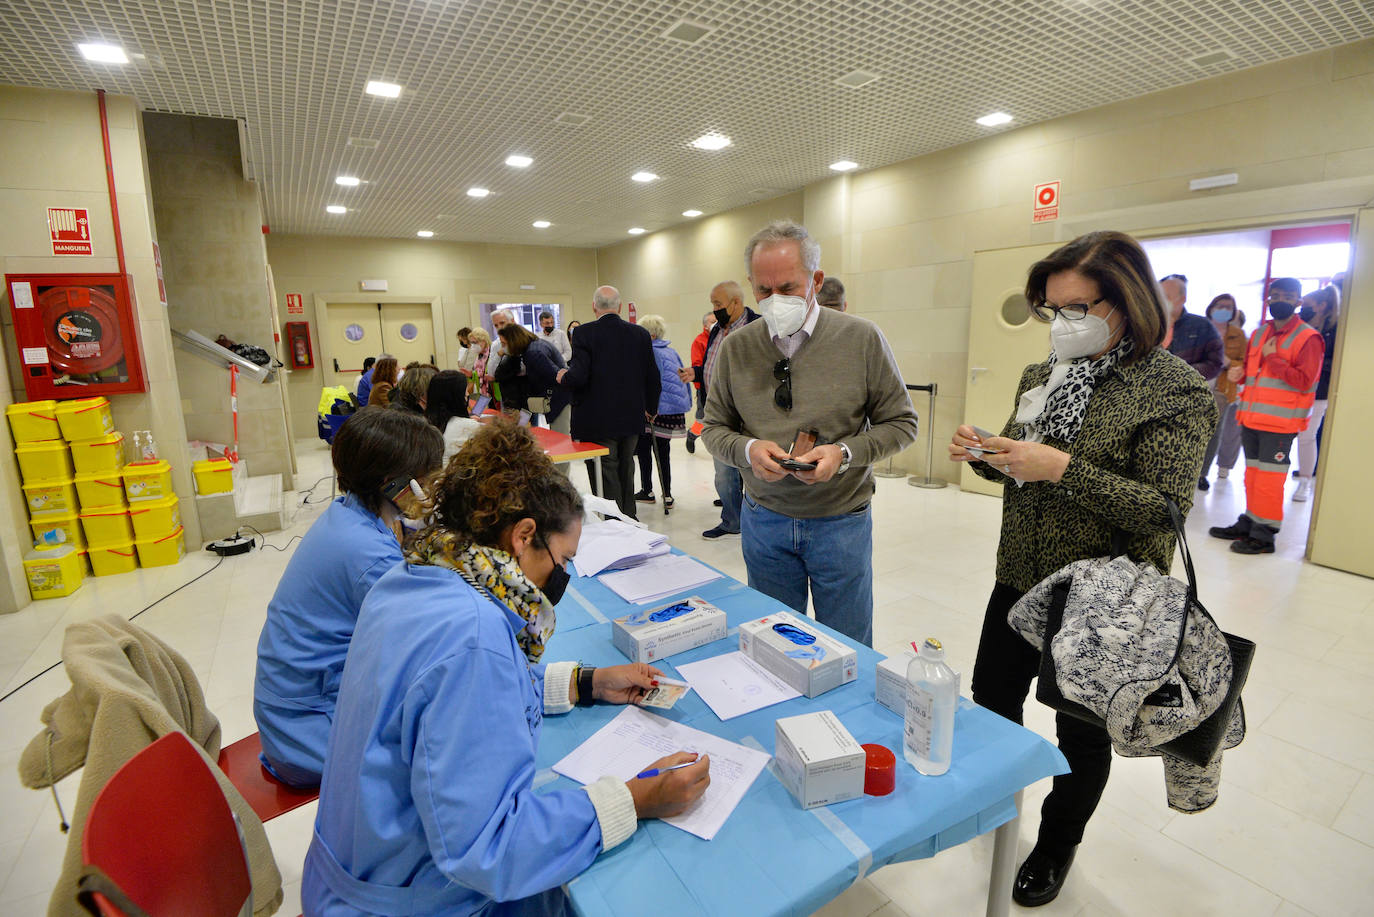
(267, 795)
(161, 839)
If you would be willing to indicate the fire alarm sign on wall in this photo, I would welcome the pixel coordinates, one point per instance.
(70, 230)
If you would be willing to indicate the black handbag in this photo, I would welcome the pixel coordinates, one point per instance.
(1200, 745)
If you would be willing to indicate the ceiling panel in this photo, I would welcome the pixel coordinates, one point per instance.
(487, 78)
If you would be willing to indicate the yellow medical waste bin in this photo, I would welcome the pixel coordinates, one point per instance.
(147, 480)
(85, 418)
(57, 528)
(152, 518)
(106, 525)
(48, 460)
(162, 550)
(114, 558)
(51, 497)
(213, 476)
(100, 489)
(101, 455)
(54, 572)
(32, 421)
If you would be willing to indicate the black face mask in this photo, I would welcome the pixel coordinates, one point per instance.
(558, 581)
(722, 317)
(1282, 311)
(1308, 313)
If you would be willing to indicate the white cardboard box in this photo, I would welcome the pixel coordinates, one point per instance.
(652, 634)
(890, 687)
(818, 760)
(792, 648)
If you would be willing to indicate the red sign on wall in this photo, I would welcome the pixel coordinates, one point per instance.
(70, 231)
(1046, 202)
(161, 284)
(294, 304)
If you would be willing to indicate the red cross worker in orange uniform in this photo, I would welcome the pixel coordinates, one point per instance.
(1282, 366)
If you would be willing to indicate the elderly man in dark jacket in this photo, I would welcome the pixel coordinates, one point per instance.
(1195, 340)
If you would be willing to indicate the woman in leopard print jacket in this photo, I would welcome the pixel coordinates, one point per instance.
(1103, 430)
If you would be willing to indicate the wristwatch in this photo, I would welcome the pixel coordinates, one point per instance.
(845, 458)
(584, 685)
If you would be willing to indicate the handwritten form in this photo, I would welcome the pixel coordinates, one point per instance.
(732, 684)
(635, 739)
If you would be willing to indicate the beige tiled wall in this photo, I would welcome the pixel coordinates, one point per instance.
(51, 155)
(215, 266)
(422, 268)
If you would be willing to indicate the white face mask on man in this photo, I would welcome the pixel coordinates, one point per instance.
(1084, 337)
(784, 315)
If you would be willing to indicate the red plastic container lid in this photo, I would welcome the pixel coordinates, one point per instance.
(880, 771)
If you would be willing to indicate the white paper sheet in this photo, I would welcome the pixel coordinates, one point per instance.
(733, 684)
(635, 739)
(658, 578)
(614, 545)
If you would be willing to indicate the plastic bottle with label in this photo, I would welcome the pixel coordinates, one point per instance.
(932, 694)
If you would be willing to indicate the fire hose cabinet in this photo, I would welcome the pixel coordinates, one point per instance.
(77, 334)
(299, 353)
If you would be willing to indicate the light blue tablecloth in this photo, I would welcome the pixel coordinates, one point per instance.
(772, 857)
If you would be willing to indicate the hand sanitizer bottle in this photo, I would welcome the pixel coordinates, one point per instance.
(932, 693)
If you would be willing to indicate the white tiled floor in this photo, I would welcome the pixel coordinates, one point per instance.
(1289, 836)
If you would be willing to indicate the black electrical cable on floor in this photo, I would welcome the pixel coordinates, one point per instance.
(264, 543)
(34, 678)
(309, 493)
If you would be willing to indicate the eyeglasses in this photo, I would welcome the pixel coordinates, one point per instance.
(782, 371)
(1073, 311)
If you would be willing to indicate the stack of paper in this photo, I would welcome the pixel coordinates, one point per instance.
(734, 684)
(634, 740)
(656, 578)
(616, 545)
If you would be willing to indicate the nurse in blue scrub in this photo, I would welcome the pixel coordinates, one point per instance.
(428, 804)
(311, 616)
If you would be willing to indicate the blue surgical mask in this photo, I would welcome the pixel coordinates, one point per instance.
(1223, 316)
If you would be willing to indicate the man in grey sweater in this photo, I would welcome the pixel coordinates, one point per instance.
(805, 369)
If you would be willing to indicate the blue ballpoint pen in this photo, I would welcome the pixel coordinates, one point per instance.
(655, 771)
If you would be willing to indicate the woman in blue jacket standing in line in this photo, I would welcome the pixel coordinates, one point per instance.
(669, 423)
(376, 454)
(428, 803)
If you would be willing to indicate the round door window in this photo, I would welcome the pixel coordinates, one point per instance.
(354, 332)
(409, 332)
(1015, 310)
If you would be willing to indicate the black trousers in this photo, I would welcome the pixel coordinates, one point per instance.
(646, 464)
(1002, 676)
(618, 472)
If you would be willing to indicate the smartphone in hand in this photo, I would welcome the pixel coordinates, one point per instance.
(794, 465)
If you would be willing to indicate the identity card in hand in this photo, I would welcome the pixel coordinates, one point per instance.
(668, 692)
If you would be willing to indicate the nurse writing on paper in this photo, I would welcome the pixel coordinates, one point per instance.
(427, 804)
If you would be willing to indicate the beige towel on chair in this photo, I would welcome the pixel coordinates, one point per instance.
(128, 690)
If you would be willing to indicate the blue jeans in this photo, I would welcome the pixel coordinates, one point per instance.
(835, 553)
(730, 489)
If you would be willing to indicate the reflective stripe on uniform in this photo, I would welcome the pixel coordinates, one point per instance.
(1272, 523)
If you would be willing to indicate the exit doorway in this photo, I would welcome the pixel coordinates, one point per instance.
(353, 329)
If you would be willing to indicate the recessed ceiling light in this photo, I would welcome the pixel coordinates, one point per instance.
(844, 165)
(541, 224)
(691, 213)
(478, 192)
(102, 53)
(519, 162)
(636, 230)
(643, 177)
(336, 208)
(994, 119)
(348, 181)
(425, 233)
(385, 90)
(711, 142)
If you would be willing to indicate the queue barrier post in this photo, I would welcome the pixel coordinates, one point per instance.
(929, 482)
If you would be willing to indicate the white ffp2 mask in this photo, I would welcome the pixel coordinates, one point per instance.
(1083, 337)
(784, 314)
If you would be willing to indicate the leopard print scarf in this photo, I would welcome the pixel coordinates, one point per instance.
(495, 573)
(1063, 400)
